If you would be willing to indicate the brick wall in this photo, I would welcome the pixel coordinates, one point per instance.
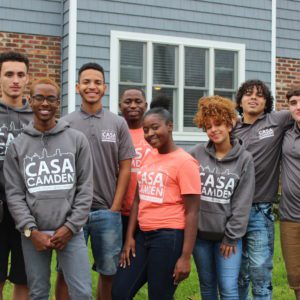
(287, 75)
(44, 53)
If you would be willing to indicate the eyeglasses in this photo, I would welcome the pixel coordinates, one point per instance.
(41, 99)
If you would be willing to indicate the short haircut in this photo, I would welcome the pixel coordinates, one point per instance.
(293, 91)
(93, 66)
(249, 85)
(44, 80)
(135, 89)
(14, 56)
(160, 106)
(220, 109)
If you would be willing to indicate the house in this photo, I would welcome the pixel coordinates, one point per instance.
(184, 48)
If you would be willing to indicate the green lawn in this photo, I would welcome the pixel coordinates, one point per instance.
(189, 289)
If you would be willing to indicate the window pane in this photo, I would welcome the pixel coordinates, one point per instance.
(132, 62)
(172, 94)
(164, 64)
(224, 69)
(191, 98)
(229, 95)
(195, 67)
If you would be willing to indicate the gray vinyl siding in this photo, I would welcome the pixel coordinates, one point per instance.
(42, 17)
(64, 57)
(288, 28)
(229, 21)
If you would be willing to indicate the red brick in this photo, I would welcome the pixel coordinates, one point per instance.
(43, 60)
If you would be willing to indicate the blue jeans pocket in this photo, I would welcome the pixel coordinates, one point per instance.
(266, 211)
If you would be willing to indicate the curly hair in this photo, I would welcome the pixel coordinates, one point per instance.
(261, 87)
(220, 109)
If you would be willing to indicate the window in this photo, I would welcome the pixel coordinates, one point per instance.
(183, 69)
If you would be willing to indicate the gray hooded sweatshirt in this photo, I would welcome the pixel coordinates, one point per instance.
(227, 192)
(48, 178)
(12, 122)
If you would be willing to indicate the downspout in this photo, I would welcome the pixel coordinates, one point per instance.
(273, 52)
(72, 43)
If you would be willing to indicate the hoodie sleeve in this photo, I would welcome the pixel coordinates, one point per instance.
(16, 191)
(84, 187)
(240, 204)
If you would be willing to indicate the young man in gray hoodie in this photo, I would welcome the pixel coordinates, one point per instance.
(49, 189)
(15, 113)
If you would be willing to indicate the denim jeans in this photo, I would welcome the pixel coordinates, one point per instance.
(215, 272)
(157, 252)
(73, 261)
(105, 229)
(258, 249)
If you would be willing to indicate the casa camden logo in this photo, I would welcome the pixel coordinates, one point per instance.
(49, 172)
(108, 135)
(7, 135)
(217, 186)
(152, 185)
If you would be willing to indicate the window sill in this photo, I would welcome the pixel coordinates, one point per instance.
(190, 136)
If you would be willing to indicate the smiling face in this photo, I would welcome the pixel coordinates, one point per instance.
(13, 79)
(91, 87)
(294, 107)
(158, 132)
(44, 110)
(253, 102)
(133, 106)
(218, 132)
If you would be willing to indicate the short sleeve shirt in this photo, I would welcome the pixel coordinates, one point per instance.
(142, 149)
(263, 139)
(110, 142)
(290, 173)
(162, 180)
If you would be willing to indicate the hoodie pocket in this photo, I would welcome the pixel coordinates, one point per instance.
(211, 225)
(50, 213)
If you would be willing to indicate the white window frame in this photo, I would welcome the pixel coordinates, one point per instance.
(149, 39)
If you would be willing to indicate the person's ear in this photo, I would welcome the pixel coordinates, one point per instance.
(170, 126)
(77, 88)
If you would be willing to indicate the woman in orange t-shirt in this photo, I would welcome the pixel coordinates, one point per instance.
(166, 207)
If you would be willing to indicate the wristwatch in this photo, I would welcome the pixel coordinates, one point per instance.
(27, 231)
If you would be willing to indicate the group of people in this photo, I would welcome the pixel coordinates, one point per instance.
(146, 205)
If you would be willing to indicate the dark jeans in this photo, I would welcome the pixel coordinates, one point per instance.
(157, 252)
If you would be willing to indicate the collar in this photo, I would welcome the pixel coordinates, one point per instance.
(242, 123)
(296, 128)
(98, 114)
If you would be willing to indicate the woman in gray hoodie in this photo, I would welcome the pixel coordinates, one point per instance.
(227, 179)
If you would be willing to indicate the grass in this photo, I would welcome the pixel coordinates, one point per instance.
(189, 289)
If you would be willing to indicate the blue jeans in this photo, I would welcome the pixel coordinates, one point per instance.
(105, 229)
(215, 272)
(73, 261)
(258, 249)
(157, 252)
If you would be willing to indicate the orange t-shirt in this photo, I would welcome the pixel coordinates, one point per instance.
(162, 180)
(142, 148)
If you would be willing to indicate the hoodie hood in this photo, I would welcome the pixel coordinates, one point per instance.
(233, 154)
(32, 131)
(23, 109)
